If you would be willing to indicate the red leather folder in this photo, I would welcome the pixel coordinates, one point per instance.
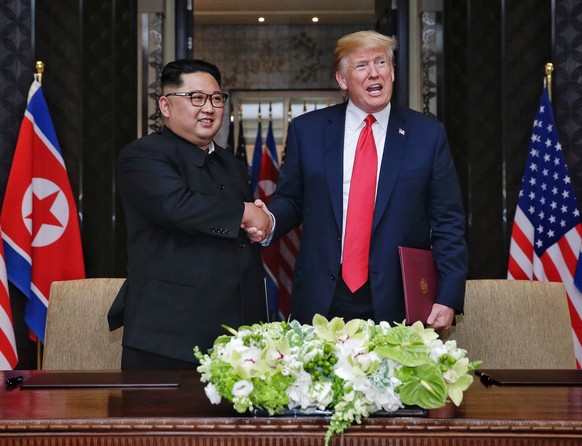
(419, 281)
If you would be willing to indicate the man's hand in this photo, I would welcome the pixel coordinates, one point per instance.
(441, 317)
(257, 221)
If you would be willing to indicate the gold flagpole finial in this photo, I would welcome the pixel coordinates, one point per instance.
(549, 67)
(39, 70)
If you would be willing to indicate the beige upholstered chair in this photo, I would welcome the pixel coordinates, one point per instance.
(516, 324)
(77, 336)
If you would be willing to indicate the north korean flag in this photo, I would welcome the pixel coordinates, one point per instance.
(40, 226)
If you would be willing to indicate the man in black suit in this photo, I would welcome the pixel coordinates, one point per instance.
(191, 266)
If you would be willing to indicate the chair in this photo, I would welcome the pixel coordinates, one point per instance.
(516, 324)
(77, 335)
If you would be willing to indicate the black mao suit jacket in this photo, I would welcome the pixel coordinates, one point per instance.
(191, 267)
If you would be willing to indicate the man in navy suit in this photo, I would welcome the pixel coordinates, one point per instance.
(417, 198)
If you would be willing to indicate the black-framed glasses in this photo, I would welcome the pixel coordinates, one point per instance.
(199, 98)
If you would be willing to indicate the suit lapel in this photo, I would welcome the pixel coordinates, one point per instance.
(394, 148)
(333, 137)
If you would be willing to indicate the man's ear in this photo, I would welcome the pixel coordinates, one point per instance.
(341, 80)
(164, 105)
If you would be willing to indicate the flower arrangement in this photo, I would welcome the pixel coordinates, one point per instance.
(354, 368)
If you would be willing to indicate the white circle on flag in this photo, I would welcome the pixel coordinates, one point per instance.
(48, 233)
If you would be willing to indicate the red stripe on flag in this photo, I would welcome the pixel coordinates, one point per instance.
(515, 270)
(523, 241)
(575, 320)
(570, 259)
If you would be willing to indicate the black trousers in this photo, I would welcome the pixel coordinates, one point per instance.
(134, 359)
(350, 305)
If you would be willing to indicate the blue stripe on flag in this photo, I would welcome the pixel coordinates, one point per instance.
(20, 271)
(20, 276)
(39, 109)
(35, 316)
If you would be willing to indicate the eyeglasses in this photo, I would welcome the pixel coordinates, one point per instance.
(199, 98)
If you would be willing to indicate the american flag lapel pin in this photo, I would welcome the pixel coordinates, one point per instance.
(401, 131)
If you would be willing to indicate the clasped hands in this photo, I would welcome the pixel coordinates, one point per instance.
(257, 221)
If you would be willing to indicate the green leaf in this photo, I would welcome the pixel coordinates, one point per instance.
(425, 387)
(411, 356)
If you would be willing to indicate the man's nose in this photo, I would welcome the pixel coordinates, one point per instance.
(372, 70)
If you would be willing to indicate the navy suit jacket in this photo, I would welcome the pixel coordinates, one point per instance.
(418, 204)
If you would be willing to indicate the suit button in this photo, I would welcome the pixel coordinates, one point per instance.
(221, 187)
(332, 277)
(242, 245)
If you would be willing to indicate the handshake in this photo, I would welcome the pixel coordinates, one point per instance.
(257, 221)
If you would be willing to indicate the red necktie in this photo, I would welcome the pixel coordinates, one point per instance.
(360, 210)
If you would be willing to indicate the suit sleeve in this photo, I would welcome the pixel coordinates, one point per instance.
(287, 200)
(447, 221)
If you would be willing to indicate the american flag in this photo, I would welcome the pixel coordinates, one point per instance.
(8, 355)
(547, 233)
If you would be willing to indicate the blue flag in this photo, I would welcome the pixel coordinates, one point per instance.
(256, 164)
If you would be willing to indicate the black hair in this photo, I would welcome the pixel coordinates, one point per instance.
(173, 71)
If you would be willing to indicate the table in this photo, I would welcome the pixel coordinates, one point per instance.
(496, 415)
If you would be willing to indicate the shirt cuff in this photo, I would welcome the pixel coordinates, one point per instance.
(269, 239)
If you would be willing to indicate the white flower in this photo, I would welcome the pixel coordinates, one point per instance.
(273, 357)
(242, 388)
(437, 349)
(366, 360)
(321, 393)
(454, 351)
(298, 392)
(212, 393)
(450, 376)
(234, 345)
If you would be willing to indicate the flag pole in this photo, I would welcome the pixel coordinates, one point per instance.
(39, 64)
(39, 70)
(549, 67)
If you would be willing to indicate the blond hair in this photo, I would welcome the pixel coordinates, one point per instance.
(362, 40)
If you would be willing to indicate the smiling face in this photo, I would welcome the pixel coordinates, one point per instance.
(197, 125)
(367, 77)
